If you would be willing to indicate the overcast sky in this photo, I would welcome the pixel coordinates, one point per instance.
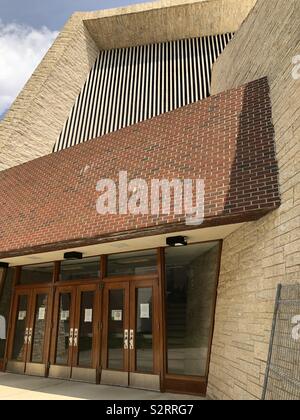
(27, 30)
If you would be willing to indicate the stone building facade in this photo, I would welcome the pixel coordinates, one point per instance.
(265, 253)
(243, 141)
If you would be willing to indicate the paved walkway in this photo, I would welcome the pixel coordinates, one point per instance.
(18, 387)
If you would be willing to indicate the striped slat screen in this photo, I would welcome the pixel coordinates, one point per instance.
(130, 85)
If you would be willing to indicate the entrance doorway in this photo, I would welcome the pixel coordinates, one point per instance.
(75, 335)
(31, 319)
(142, 319)
(106, 331)
(130, 339)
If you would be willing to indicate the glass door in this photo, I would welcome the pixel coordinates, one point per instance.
(115, 354)
(75, 335)
(86, 334)
(27, 352)
(20, 327)
(144, 336)
(63, 333)
(131, 335)
(39, 333)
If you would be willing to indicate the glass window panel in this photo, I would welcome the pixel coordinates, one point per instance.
(40, 318)
(116, 329)
(35, 274)
(5, 301)
(133, 263)
(21, 323)
(63, 333)
(191, 279)
(85, 345)
(144, 332)
(88, 268)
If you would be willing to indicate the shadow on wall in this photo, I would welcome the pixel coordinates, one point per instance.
(254, 173)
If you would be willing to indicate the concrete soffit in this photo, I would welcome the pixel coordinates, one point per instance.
(164, 21)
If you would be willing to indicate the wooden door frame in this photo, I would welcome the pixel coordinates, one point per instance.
(153, 284)
(114, 285)
(59, 290)
(13, 321)
(185, 384)
(31, 291)
(35, 292)
(130, 284)
(173, 383)
(95, 320)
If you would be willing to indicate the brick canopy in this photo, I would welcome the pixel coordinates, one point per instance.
(226, 140)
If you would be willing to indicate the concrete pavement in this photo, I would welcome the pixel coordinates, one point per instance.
(19, 387)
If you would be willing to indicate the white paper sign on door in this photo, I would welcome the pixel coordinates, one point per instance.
(65, 315)
(22, 315)
(88, 315)
(117, 315)
(42, 314)
(145, 310)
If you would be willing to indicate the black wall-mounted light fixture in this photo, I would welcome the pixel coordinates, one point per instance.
(73, 256)
(4, 265)
(177, 241)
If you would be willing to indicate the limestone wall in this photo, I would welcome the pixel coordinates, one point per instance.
(35, 119)
(261, 254)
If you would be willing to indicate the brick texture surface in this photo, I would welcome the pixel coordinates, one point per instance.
(226, 140)
(264, 253)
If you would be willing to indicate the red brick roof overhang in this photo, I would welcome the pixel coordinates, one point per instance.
(227, 140)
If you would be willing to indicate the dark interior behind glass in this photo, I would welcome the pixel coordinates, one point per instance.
(191, 281)
(88, 268)
(37, 274)
(132, 263)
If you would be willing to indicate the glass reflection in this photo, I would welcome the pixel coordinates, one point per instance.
(85, 345)
(191, 279)
(63, 332)
(88, 268)
(39, 329)
(21, 324)
(116, 329)
(144, 333)
(132, 263)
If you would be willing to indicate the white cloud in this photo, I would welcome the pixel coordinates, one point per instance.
(21, 50)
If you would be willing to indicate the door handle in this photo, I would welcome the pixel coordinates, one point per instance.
(125, 339)
(26, 336)
(131, 340)
(30, 336)
(71, 337)
(75, 341)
